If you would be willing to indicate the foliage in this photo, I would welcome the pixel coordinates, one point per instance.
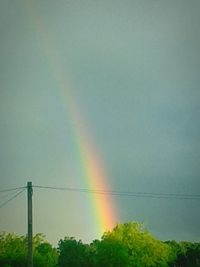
(72, 253)
(187, 254)
(111, 252)
(45, 255)
(13, 251)
(127, 245)
(143, 249)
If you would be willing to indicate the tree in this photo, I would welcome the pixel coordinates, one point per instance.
(112, 253)
(72, 253)
(186, 254)
(143, 249)
(45, 255)
(13, 251)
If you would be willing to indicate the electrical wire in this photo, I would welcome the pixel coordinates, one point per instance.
(13, 197)
(124, 193)
(6, 195)
(12, 189)
(110, 192)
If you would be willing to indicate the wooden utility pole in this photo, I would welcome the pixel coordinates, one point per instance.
(30, 224)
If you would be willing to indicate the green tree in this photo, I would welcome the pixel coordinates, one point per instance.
(112, 253)
(13, 251)
(187, 254)
(72, 253)
(92, 252)
(45, 255)
(143, 249)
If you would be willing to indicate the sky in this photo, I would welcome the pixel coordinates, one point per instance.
(122, 76)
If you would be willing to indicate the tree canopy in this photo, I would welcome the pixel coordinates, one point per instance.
(13, 251)
(127, 245)
(143, 249)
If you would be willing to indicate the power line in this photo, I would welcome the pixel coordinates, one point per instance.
(125, 193)
(6, 195)
(10, 199)
(12, 189)
(109, 192)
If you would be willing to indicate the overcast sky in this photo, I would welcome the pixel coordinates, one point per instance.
(133, 70)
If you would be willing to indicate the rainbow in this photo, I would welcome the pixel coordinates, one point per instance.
(95, 178)
(92, 169)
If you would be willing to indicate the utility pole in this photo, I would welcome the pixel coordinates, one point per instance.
(30, 224)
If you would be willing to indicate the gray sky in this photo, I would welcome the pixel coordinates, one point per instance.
(133, 71)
